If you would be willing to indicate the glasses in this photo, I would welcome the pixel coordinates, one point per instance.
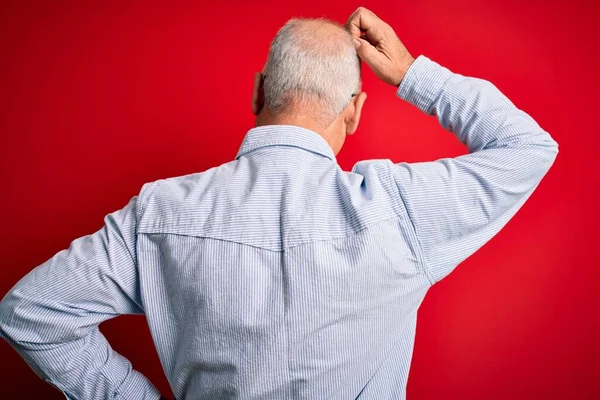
(352, 95)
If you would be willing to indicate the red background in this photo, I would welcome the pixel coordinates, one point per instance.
(97, 98)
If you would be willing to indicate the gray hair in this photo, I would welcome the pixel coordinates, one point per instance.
(311, 66)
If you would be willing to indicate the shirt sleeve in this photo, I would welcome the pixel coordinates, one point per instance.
(51, 315)
(458, 204)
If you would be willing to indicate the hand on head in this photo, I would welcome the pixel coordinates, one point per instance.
(379, 47)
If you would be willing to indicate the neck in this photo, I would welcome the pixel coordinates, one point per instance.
(302, 120)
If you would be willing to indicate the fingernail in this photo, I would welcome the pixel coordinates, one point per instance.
(356, 43)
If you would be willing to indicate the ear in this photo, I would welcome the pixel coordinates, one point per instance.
(258, 94)
(353, 113)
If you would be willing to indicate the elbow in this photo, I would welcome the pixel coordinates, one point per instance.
(550, 147)
(541, 157)
(531, 159)
(541, 147)
(12, 322)
(6, 314)
(548, 141)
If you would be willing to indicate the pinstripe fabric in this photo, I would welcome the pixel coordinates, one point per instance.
(278, 275)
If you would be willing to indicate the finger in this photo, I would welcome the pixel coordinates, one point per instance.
(367, 52)
(352, 24)
(365, 20)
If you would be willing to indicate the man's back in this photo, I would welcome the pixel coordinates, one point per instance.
(283, 276)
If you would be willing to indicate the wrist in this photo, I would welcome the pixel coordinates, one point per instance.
(405, 69)
(423, 83)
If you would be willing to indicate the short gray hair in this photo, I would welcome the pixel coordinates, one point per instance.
(309, 67)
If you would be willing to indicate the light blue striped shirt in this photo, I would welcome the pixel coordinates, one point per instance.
(278, 275)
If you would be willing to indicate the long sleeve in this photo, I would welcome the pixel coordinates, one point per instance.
(458, 204)
(51, 315)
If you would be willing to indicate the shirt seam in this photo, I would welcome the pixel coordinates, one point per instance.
(141, 204)
(399, 199)
(297, 146)
(396, 216)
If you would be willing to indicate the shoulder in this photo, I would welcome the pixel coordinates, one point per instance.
(163, 196)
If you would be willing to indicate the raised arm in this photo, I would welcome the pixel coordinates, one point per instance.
(457, 204)
(51, 315)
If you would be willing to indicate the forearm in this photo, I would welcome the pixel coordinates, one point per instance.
(473, 109)
(81, 366)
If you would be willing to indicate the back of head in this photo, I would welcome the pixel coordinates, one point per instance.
(313, 68)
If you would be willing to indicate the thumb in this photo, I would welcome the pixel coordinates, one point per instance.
(366, 51)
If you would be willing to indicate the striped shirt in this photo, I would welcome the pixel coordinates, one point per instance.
(278, 275)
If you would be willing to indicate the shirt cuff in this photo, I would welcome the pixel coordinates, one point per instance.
(423, 83)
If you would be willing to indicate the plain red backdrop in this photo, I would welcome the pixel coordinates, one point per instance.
(99, 97)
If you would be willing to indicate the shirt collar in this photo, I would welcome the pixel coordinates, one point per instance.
(285, 135)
